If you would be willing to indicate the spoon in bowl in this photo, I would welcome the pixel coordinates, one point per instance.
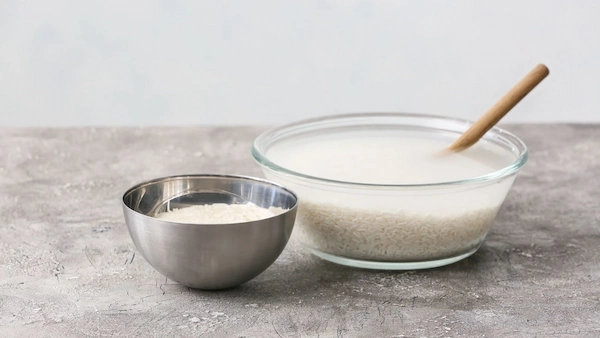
(501, 108)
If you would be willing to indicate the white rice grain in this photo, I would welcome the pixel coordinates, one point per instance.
(219, 213)
(368, 234)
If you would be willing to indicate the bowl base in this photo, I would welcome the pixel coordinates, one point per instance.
(356, 263)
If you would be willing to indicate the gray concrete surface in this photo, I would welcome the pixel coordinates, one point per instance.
(69, 269)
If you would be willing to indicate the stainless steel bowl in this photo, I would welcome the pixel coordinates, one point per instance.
(208, 256)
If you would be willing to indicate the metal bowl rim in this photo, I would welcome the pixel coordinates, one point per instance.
(237, 177)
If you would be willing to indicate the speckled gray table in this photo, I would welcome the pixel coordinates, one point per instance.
(69, 269)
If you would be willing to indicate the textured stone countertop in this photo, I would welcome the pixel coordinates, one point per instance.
(68, 267)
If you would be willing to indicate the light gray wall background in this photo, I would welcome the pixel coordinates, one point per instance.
(271, 62)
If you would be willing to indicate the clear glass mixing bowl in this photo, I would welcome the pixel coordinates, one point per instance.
(392, 226)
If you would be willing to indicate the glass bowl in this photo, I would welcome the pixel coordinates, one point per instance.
(391, 226)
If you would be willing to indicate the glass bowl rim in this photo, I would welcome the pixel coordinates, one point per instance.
(261, 142)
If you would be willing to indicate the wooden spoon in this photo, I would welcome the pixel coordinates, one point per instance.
(494, 114)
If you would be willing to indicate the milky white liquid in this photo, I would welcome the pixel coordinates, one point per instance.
(402, 225)
(387, 157)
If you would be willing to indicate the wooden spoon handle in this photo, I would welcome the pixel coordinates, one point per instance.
(506, 103)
